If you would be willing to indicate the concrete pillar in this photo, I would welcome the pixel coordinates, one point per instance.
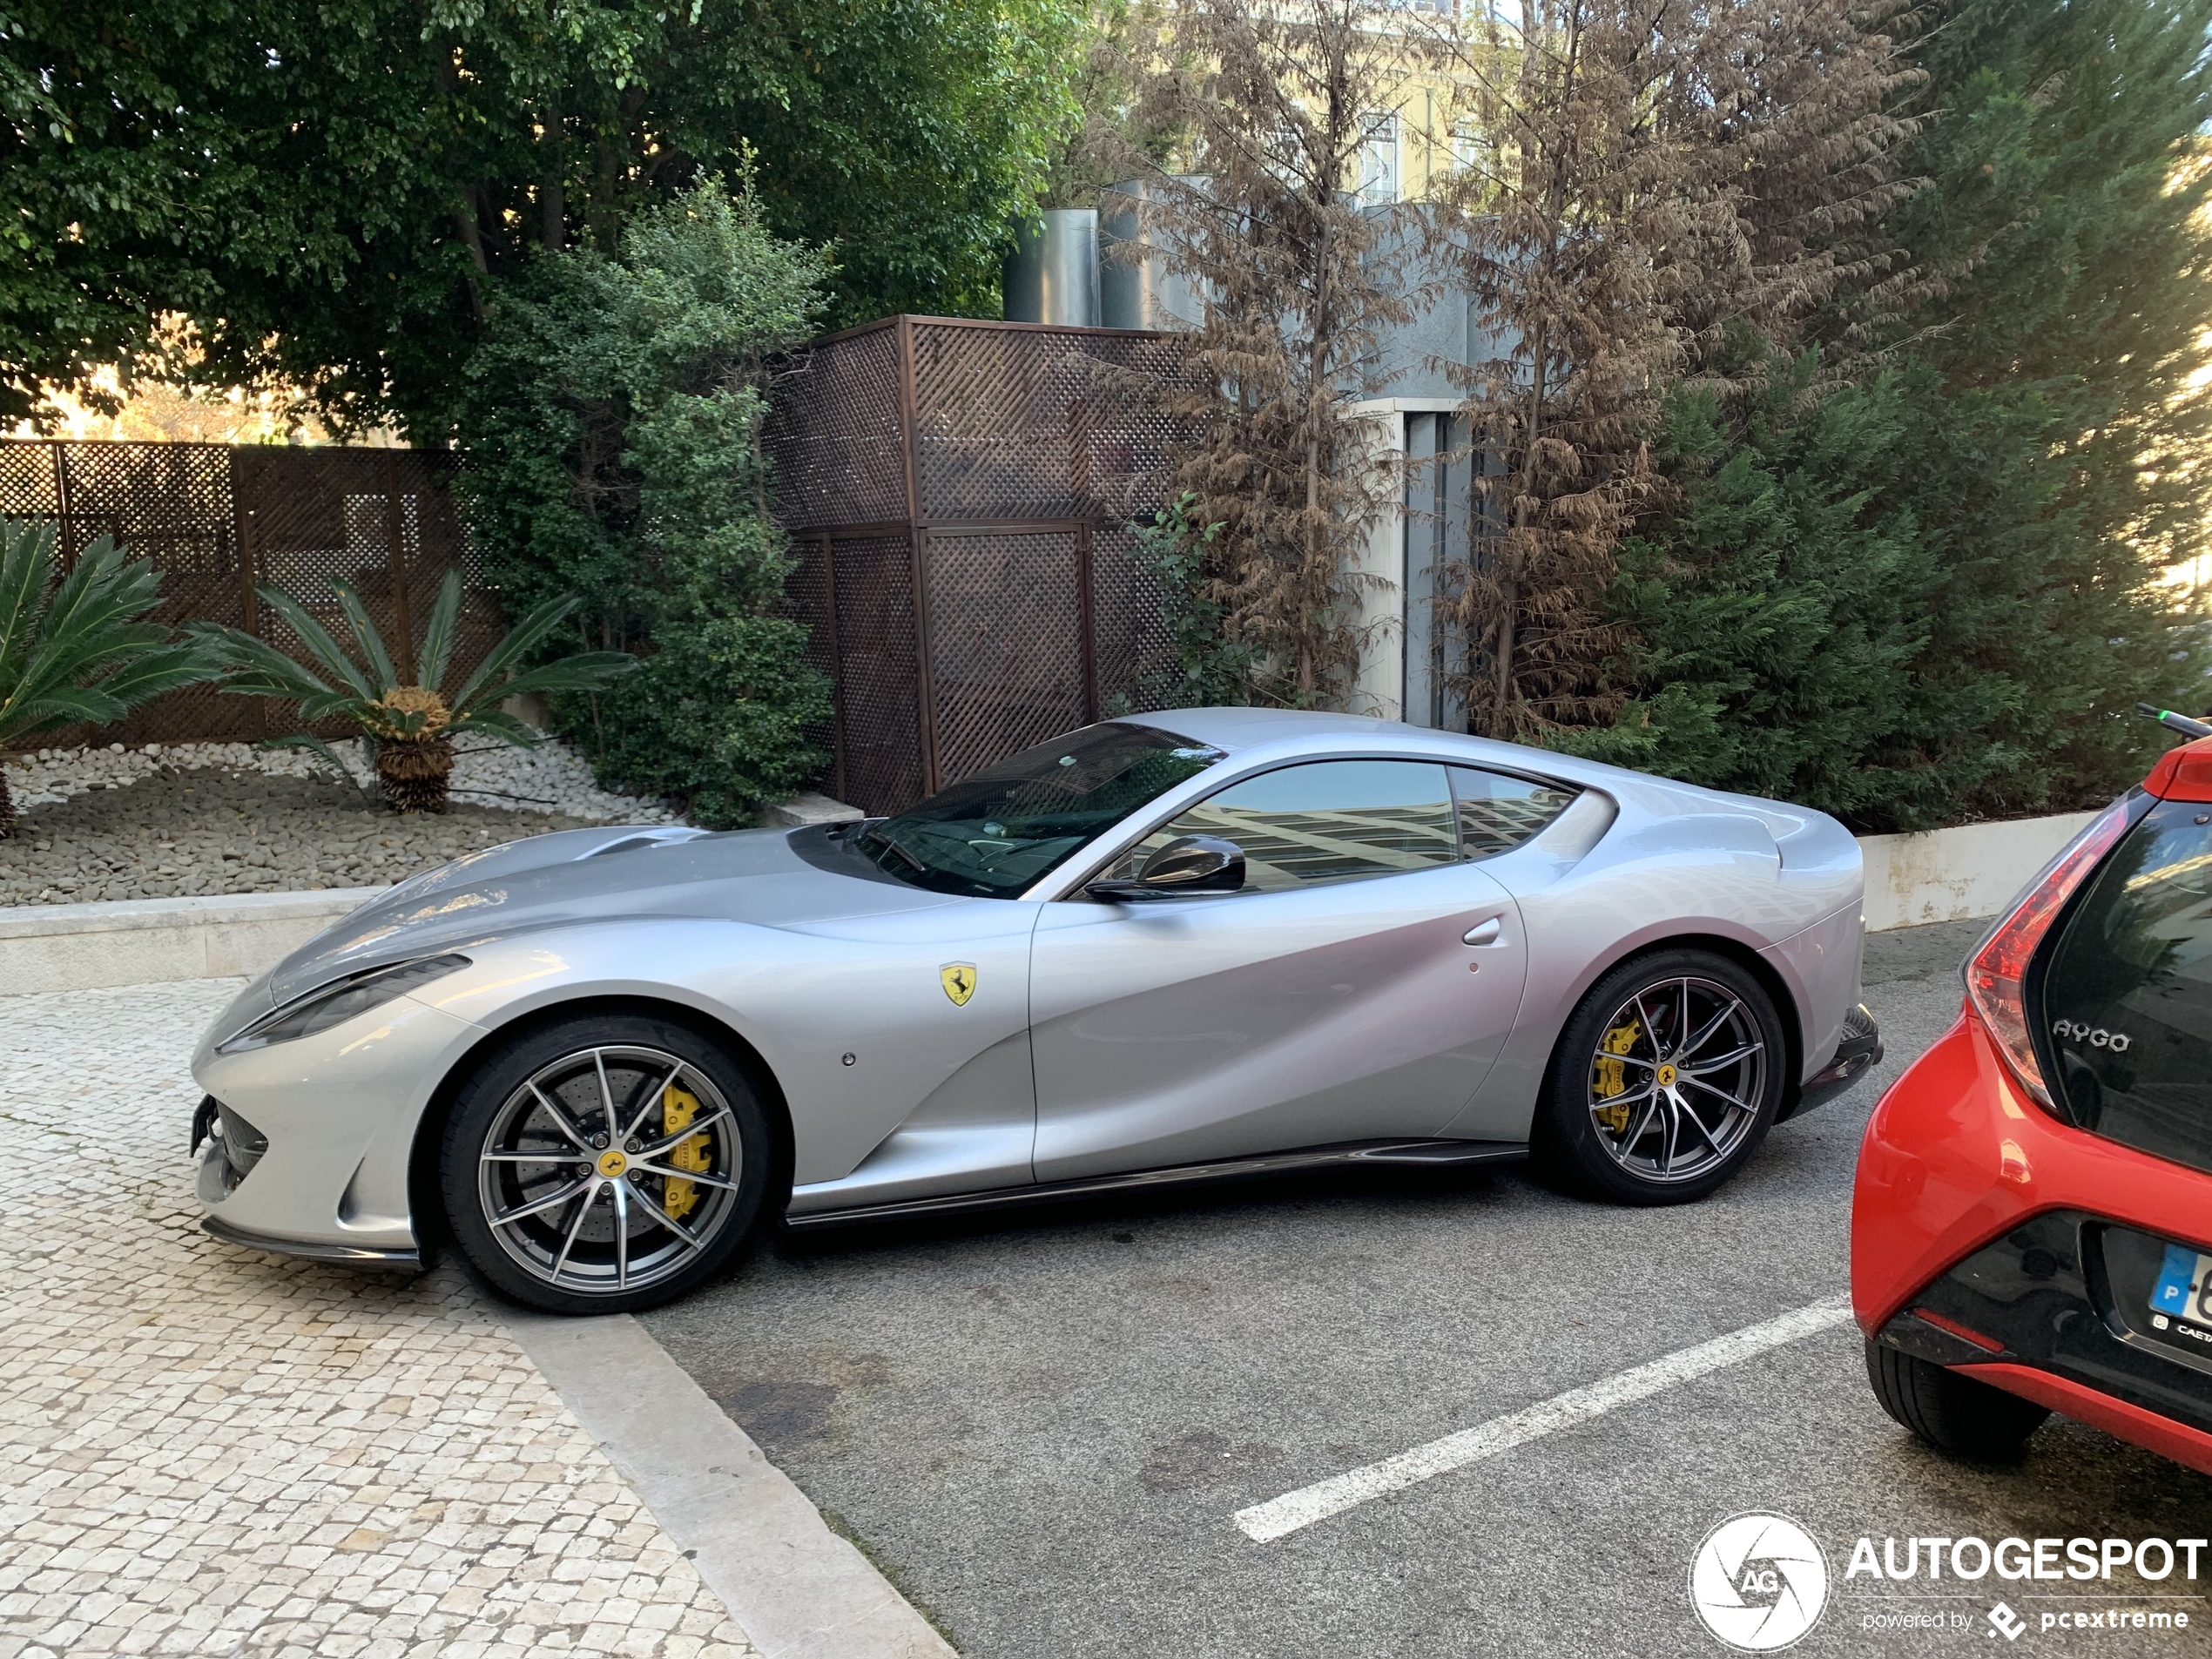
(1406, 650)
(1379, 575)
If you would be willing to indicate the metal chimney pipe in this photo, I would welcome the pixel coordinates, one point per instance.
(1052, 276)
(1136, 289)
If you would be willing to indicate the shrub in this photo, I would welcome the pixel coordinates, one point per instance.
(1206, 668)
(407, 729)
(79, 651)
(614, 417)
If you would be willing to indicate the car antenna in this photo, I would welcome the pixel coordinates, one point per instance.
(2180, 723)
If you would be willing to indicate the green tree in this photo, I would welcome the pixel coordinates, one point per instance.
(1777, 608)
(2055, 439)
(1938, 595)
(613, 416)
(332, 194)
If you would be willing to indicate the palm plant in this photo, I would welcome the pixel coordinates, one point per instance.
(79, 652)
(409, 729)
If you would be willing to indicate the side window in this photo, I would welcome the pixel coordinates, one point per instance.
(1497, 813)
(1330, 821)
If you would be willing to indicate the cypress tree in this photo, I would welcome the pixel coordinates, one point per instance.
(1992, 539)
(1776, 609)
(2052, 426)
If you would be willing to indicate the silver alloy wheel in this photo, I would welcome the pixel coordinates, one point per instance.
(609, 1168)
(1677, 1078)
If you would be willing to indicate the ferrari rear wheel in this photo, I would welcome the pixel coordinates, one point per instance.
(1666, 1078)
(604, 1164)
(1961, 1415)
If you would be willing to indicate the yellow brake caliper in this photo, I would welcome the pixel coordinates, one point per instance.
(677, 1108)
(1612, 1076)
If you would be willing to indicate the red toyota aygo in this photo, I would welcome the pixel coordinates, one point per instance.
(2032, 1225)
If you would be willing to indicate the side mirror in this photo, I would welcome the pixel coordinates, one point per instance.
(1189, 864)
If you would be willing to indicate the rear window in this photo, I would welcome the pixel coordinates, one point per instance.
(1498, 812)
(2126, 998)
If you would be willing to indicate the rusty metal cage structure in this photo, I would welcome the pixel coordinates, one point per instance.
(215, 519)
(960, 496)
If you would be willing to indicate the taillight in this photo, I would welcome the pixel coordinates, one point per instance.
(1996, 979)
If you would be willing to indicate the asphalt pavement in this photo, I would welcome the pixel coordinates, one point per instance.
(1042, 1426)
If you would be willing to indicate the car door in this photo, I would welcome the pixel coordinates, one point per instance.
(1359, 988)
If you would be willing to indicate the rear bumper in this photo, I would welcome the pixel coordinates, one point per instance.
(1988, 1236)
(2058, 1310)
(2190, 1448)
(1857, 1052)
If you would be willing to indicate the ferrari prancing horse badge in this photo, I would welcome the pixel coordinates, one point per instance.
(959, 981)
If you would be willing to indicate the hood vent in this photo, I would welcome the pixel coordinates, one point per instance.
(675, 834)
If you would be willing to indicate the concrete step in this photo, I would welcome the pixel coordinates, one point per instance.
(138, 942)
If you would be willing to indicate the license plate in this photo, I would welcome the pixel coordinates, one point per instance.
(2184, 1287)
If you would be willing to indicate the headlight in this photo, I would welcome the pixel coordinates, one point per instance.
(335, 1003)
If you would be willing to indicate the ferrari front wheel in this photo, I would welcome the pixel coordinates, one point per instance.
(1666, 1078)
(604, 1164)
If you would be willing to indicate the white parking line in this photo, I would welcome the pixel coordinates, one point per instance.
(1279, 1517)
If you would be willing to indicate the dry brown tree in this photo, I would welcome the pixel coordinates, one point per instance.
(1571, 245)
(1795, 110)
(1657, 181)
(1279, 99)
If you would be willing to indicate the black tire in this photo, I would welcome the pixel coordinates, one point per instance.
(625, 1237)
(1952, 1413)
(1616, 1045)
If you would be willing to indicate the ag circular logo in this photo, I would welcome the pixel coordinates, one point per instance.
(1758, 1582)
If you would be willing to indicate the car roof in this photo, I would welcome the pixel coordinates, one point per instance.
(1234, 730)
(1231, 729)
(1287, 732)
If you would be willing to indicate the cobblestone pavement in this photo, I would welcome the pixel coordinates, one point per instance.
(207, 1451)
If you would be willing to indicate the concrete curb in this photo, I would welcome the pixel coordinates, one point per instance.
(138, 942)
(798, 1590)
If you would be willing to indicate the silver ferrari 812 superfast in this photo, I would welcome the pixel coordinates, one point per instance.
(1169, 948)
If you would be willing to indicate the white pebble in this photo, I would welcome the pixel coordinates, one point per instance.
(551, 777)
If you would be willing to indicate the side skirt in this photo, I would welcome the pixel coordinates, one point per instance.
(1432, 1154)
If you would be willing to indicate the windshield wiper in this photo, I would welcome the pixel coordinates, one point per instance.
(883, 841)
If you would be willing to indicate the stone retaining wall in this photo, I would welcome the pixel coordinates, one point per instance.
(140, 941)
(1954, 875)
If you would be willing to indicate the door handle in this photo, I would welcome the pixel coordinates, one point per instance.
(1483, 933)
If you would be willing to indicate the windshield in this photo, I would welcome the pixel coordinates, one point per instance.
(993, 834)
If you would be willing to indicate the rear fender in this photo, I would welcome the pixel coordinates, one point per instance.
(1954, 1157)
